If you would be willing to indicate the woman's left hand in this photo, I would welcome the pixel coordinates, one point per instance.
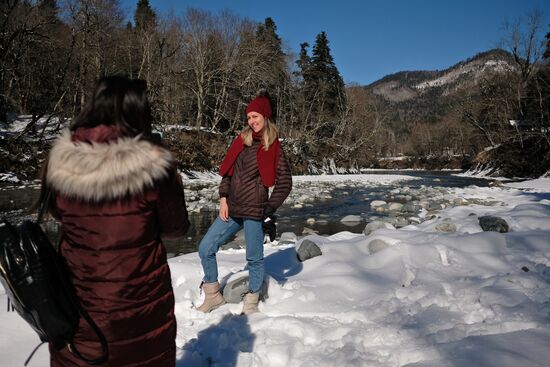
(224, 209)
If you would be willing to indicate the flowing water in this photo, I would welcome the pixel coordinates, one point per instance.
(324, 215)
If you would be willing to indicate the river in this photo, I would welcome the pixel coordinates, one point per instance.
(318, 216)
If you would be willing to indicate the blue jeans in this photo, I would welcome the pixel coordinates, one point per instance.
(218, 233)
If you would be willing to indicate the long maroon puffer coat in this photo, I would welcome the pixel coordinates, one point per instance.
(115, 198)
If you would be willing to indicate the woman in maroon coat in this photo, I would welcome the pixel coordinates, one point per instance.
(116, 192)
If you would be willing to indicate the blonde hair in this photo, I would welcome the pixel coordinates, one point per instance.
(268, 137)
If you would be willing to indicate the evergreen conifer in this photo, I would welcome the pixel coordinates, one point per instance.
(145, 18)
(322, 87)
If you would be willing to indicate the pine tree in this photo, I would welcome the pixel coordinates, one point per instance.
(145, 18)
(267, 35)
(272, 55)
(324, 71)
(323, 85)
(322, 61)
(272, 66)
(303, 62)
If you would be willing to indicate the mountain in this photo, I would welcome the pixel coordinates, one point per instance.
(410, 85)
(447, 119)
(412, 97)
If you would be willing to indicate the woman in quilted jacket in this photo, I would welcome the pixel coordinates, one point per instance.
(254, 163)
(116, 192)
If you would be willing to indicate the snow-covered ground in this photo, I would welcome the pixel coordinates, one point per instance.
(9, 177)
(417, 296)
(540, 185)
(482, 172)
(50, 125)
(372, 179)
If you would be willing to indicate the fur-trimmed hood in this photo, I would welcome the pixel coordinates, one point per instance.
(105, 171)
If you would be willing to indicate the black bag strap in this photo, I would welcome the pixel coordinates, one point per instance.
(102, 340)
(104, 346)
(72, 347)
(32, 353)
(44, 205)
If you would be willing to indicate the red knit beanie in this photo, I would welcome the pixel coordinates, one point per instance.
(261, 105)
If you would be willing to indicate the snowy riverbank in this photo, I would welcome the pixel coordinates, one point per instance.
(428, 297)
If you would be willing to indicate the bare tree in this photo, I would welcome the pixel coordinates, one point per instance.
(95, 25)
(524, 39)
(198, 42)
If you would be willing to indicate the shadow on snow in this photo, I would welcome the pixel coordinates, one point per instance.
(219, 345)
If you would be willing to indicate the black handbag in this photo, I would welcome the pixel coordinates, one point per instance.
(38, 285)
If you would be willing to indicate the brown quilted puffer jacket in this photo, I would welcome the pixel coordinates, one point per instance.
(246, 195)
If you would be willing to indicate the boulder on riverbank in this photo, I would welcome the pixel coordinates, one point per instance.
(493, 224)
(377, 245)
(307, 250)
(235, 289)
(376, 224)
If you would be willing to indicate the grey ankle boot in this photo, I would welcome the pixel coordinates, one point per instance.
(250, 303)
(212, 297)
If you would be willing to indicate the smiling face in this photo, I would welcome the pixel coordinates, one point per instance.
(256, 121)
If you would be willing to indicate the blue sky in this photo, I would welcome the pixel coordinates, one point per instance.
(371, 39)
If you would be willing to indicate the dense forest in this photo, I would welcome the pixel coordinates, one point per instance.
(203, 68)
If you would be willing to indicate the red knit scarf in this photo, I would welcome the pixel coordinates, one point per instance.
(267, 160)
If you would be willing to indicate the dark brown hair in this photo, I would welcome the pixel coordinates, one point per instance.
(118, 101)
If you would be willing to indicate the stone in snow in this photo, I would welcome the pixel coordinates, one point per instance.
(377, 245)
(234, 291)
(398, 222)
(446, 227)
(493, 224)
(377, 224)
(410, 208)
(415, 220)
(395, 206)
(434, 205)
(376, 203)
(307, 231)
(351, 219)
(288, 238)
(459, 201)
(307, 250)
